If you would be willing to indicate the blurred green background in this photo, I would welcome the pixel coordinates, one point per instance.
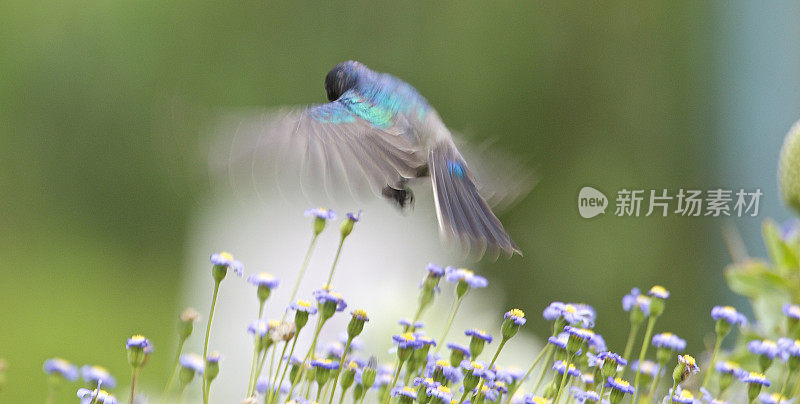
(102, 106)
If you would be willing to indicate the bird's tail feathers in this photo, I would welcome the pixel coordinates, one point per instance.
(462, 212)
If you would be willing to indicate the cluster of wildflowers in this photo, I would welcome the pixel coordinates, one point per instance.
(574, 365)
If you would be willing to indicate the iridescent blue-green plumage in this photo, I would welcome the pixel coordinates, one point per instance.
(378, 132)
(378, 98)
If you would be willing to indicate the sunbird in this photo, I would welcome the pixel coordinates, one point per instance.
(378, 132)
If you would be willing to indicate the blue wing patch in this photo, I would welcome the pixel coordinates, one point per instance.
(455, 168)
(333, 112)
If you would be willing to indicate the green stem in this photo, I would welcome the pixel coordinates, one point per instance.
(602, 389)
(311, 350)
(259, 368)
(450, 319)
(707, 377)
(335, 260)
(544, 372)
(563, 378)
(494, 358)
(271, 365)
(253, 364)
(288, 361)
(302, 271)
(394, 381)
(341, 397)
(631, 339)
(672, 394)
(133, 381)
(651, 323)
(535, 362)
(339, 370)
(785, 383)
(208, 333)
(175, 367)
(656, 379)
(181, 390)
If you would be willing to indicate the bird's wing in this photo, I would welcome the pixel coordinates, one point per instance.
(348, 143)
(501, 178)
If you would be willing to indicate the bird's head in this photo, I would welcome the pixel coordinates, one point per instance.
(341, 78)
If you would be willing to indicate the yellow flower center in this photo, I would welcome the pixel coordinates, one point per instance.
(658, 290)
(304, 303)
(360, 313)
(226, 255)
(517, 313)
(570, 309)
(621, 382)
(442, 363)
(408, 336)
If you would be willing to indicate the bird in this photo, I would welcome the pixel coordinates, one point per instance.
(378, 132)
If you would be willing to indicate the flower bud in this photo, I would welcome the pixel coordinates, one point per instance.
(356, 325)
(212, 367)
(186, 324)
(789, 168)
(138, 349)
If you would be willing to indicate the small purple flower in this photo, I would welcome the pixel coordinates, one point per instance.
(480, 334)
(213, 357)
(425, 381)
(326, 296)
(460, 348)
(766, 348)
(709, 399)
(580, 333)
(620, 385)
(636, 300)
(560, 340)
(407, 323)
(774, 398)
(264, 279)
(263, 386)
(478, 369)
(755, 378)
(647, 367)
(258, 328)
(435, 270)
(225, 259)
(441, 392)
(304, 306)
(789, 348)
(458, 275)
(95, 375)
(404, 392)
(670, 341)
(582, 397)
(572, 313)
(193, 362)
(611, 356)
(138, 342)
(321, 213)
(89, 396)
(61, 367)
(682, 396)
(561, 367)
(509, 375)
(792, 311)
(729, 314)
(355, 217)
(406, 340)
(515, 315)
(325, 364)
(732, 368)
(597, 343)
(659, 292)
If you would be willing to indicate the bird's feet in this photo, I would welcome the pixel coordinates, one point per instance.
(400, 195)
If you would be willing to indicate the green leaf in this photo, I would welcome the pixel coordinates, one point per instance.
(783, 255)
(755, 279)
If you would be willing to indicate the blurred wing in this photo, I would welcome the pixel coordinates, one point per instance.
(346, 144)
(501, 179)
